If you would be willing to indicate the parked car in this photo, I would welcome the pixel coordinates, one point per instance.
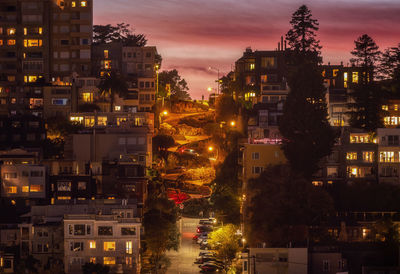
(204, 228)
(202, 235)
(178, 169)
(202, 239)
(209, 266)
(205, 253)
(207, 222)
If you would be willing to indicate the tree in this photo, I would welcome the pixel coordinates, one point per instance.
(226, 242)
(226, 108)
(307, 134)
(366, 110)
(113, 84)
(90, 268)
(302, 35)
(171, 80)
(103, 34)
(390, 70)
(293, 203)
(161, 232)
(161, 143)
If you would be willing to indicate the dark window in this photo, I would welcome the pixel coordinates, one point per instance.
(148, 54)
(105, 230)
(79, 230)
(64, 42)
(128, 231)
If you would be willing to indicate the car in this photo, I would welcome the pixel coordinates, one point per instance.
(201, 239)
(212, 259)
(200, 235)
(205, 253)
(189, 151)
(206, 222)
(209, 266)
(204, 228)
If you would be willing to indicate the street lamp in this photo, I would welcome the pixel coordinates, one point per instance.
(165, 113)
(232, 123)
(217, 70)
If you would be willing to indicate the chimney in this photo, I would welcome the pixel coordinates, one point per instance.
(279, 46)
(341, 63)
(329, 63)
(285, 44)
(281, 42)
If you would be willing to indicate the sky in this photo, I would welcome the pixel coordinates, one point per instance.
(193, 35)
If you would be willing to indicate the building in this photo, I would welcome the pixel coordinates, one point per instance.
(392, 117)
(23, 181)
(327, 260)
(275, 260)
(112, 240)
(67, 186)
(40, 42)
(389, 155)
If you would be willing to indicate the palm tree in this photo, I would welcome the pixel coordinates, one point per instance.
(113, 84)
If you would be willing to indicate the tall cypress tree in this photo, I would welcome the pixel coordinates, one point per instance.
(366, 108)
(304, 125)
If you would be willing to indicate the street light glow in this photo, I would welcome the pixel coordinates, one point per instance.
(165, 112)
(210, 148)
(233, 123)
(209, 89)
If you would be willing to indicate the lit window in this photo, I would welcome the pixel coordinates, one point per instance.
(345, 76)
(25, 189)
(92, 244)
(102, 121)
(87, 97)
(73, 4)
(109, 260)
(11, 42)
(317, 183)
(396, 107)
(368, 156)
(40, 30)
(30, 78)
(64, 198)
(109, 246)
(355, 77)
(264, 78)
(92, 260)
(117, 108)
(36, 188)
(335, 72)
(105, 54)
(12, 189)
(32, 43)
(120, 120)
(1, 42)
(78, 119)
(89, 121)
(129, 247)
(386, 157)
(83, 3)
(252, 66)
(359, 139)
(11, 78)
(107, 64)
(385, 107)
(11, 31)
(25, 31)
(351, 155)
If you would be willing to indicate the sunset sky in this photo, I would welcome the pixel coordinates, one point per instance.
(192, 35)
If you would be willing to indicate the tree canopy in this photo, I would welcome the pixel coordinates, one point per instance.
(226, 242)
(113, 84)
(307, 134)
(170, 80)
(103, 34)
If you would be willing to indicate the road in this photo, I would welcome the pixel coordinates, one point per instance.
(182, 262)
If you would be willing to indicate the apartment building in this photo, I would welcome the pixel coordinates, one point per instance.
(41, 41)
(112, 240)
(392, 117)
(389, 155)
(23, 181)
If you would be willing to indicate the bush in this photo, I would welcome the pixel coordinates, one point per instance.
(193, 207)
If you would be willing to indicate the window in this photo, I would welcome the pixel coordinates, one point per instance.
(36, 173)
(33, 43)
(36, 188)
(92, 260)
(128, 246)
(76, 246)
(73, 4)
(264, 78)
(355, 77)
(79, 230)
(351, 155)
(386, 156)
(10, 175)
(109, 260)
(332, 172)
(317, 183)
(89, 121)
(105, 54)
(81, 185)
(121, 141)
(92, 244)
(64, 42)
(325, 266)
(393, 140)
(109, 246)
(117, 108)
(368, 156)
(125, 231)
(83, 3)
(359, 139)
(11, 42)
(59, 101)
(252, 66)
(25, 189)
(255, 155)
(105, 230)
(11, 31)
(107, 64)
(87, 97)
(128, 261)
(12, 189)
(335, 72)
(256, 170)
(385, 107)
(102, 120)
(268, 62)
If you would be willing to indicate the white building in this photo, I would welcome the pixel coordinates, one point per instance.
(112, 240)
